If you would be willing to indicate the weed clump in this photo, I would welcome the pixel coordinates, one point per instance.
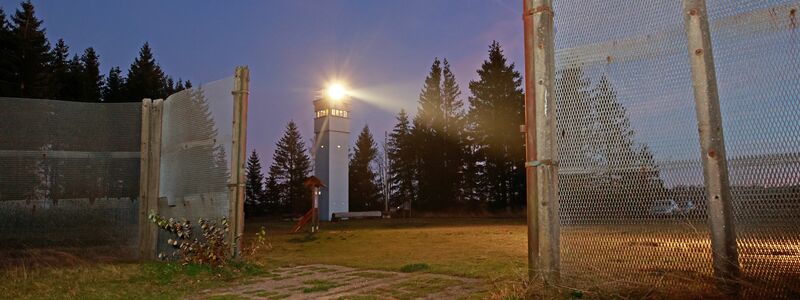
(209, 249)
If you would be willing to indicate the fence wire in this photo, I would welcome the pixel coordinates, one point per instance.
(633, 212)
(69, 177)
(197, 136)
(757, 55)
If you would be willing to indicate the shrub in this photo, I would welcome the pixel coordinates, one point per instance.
(210, 249)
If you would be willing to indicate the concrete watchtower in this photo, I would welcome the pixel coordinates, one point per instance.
(332, 132)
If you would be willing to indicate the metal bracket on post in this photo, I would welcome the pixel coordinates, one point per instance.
(712, 144)
(241, 92)
(544, 256)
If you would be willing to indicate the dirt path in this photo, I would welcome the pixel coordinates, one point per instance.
(337, 282)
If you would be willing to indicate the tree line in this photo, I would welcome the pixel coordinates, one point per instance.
(445, 158)
(30, 67)
(467, 157)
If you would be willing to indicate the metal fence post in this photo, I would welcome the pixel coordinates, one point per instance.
(712, 145)
(240, 93)
(541, 167)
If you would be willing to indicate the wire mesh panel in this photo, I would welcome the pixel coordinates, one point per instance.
(197, 129)
(757, 56)
(632, 208)
(69, 177)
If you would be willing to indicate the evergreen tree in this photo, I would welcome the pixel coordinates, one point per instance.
(453, 137)
(427, 136)
(598, 152)
(73, 83)
(254, 186)
(496, 113)
(29, 55)
(402, 162)
(112, 90)
(273, 198)
(290, 168)
(145, 78)
(92, 80)
(364, 191)
(438, 134)
(200, 167)
(5, 56)
(60, 72)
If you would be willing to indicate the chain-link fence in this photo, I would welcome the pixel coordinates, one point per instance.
(633, 209)
(69, 177)
(79, 179)
(196, 152)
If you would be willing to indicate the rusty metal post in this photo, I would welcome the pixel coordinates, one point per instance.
(241, 92)
(541, 167)
(712, 145)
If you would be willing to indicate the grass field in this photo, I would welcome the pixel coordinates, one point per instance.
(647, 261)
(472, 247)
(490, 249)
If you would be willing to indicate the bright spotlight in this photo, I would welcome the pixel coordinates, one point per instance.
(336, 91)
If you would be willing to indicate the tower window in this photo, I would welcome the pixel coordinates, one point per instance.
(322, 113)
(339, 113)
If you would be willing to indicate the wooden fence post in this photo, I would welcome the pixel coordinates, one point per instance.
(236, 185)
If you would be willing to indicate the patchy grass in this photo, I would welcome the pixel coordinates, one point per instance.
(373, 275)
(414, 267)
(121, 280)
(489, 248)
(318, 285)
(473, 247)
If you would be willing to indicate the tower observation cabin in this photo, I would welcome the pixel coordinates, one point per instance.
(332, 137)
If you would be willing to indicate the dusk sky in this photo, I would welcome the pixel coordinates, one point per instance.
(383, 49)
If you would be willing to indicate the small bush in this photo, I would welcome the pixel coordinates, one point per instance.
(414, 267)
(209, 249)
(259, 243)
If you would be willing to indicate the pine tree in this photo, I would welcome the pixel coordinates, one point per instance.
(427, 130)
(496, 112)
(145, 78)
(112, 90)
(273, 199)
(364, 191)
(254, 186)
(290, 167)
(29, 55)
(73, 83)
(199, 167)
(598, 152)
(5, 55)
(92, 80)
(59, 68)
(629, 176)
(402, 162)
(453, 135)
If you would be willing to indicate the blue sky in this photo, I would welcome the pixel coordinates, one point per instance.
(383, 48)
